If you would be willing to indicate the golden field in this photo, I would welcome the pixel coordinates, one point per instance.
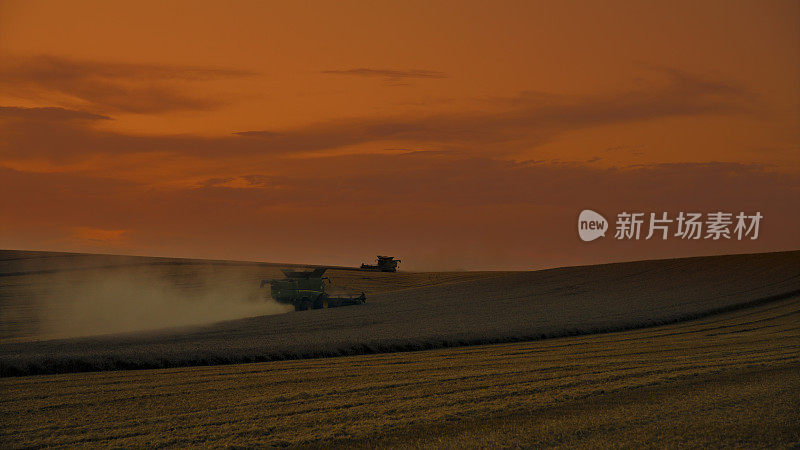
(731, 379)
(70, 313)
(685, 352)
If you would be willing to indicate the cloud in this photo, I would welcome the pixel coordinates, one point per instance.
(99, 235)
(48, 114)
(366, 181)
(465, 181)
(527, 120)
(108, 86)
(410, 202)
(50, 133)
(388, 74)
(508, 126)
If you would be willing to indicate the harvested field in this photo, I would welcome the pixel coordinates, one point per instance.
(731, 379)
(405, 311)
(42, 292)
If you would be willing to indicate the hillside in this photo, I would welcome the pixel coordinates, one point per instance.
(405, 311)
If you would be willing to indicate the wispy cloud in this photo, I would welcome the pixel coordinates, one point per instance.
(500, 130)
(462, 181)
(432, 200)
(390, 75)
(528, 119)
(109, 86)
(48, 113)
(99, 235)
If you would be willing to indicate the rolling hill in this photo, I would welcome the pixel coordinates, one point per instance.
(405, 311)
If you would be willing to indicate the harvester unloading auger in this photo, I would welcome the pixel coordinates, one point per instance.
(306, 290)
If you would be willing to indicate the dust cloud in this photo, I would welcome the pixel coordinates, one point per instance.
(136, 300)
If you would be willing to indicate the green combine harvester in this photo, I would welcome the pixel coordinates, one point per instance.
(306, 290)
(385, 264)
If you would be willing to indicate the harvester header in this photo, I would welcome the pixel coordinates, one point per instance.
(316, 273)
(305, 289)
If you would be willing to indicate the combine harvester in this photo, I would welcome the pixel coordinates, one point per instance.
(306, 290)
(385, 264)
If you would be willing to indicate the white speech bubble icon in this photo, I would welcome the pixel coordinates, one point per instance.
(591, 225)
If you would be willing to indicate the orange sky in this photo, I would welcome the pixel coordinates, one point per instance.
(453, 134)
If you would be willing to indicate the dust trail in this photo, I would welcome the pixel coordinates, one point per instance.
(133, 299)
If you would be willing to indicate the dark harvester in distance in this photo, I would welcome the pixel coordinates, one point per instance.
(306, 290)
(385, 264)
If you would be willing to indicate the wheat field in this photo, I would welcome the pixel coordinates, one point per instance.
(208, 313)
(685, 352)
(730, 379)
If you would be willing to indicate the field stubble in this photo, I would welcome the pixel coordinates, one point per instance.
(728, 379)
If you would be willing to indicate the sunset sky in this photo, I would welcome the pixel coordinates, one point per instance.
(455, 135)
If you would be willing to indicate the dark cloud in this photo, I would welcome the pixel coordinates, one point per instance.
(37, 133)
(525, 121)
(48, 113)
(508, 127)
(107, 86)
(391, 74)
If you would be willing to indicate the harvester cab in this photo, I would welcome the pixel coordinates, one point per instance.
(385, 264)
(305, 289)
